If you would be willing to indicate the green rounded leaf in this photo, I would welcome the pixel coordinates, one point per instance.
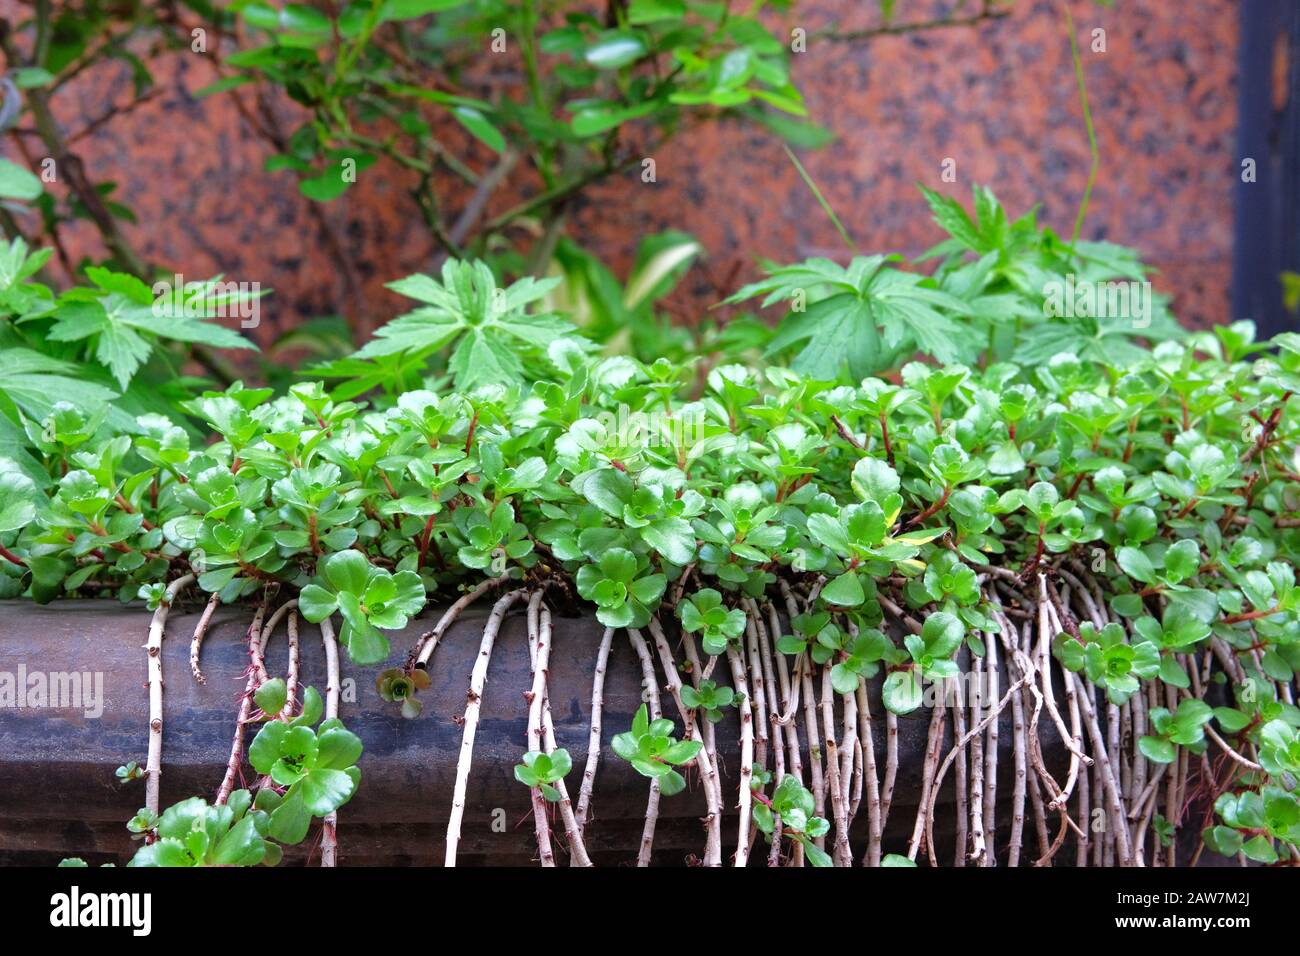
(347, 571)
(270, 696)
(615, 49)
(845, 590)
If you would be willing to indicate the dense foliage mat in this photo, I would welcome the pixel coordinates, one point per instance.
(962, 532)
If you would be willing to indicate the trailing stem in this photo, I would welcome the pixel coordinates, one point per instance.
(1019, 736)
(957, 748)
(993, 681)
(737, 662)
(539, 651)
(650, 686)
(867, 747)
(200, 632)
(329, 827)
(245, 700)
(932, 746)
(839, 809)
(891, 767)
(286, 610)
(573, 833)
(958, 708)
(708, 772)
(976, 800)
(758, 703)
(268, 631)
(816, 758)
(1045, 671)
(153, 766)
(707, 730)
(791, 705)
(428, 641)
(593, 740)
(772, 708)
(1110, 786)
(850, 766)
(788, 703)
(474, 699)
(291, 678)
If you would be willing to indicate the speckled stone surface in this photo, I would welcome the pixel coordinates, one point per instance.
(999, 99)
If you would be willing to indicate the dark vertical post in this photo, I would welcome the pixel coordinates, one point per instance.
(1267, 240)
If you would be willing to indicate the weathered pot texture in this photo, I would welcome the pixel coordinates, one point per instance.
(59, 796)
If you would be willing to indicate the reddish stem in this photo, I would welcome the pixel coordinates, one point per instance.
(126, 506)
(1074, 488)
(424, 541)
(1249, 616)
(473, 424)
(943, 500)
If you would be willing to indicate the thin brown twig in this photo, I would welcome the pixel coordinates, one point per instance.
(158, 624)
(816, 758)
(593, 739)
(840, 848)
(200, 632)
(427, 642)
(245, 701)
(474, 699)
(650, 687)
(329, 826)
(934, 741)
(932, 793)
(539, 651)
(572, 832)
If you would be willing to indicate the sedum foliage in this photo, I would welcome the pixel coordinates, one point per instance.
(1172, 478)
(314, 773)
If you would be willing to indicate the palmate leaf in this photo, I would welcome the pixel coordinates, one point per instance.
(807, 277)
(121, 350)
(1110, 341)
(423, 330)
(13, 450)
(120, 321)
(482, 357)
(361, 375)
(907, 309)
(16, 264)
(1107, 260)
(834, 329)
(863, 315)
(488, 327)
(987, 231)
(952, 218)
(34, 382)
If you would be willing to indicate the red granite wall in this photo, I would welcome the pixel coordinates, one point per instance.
(999, 99)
